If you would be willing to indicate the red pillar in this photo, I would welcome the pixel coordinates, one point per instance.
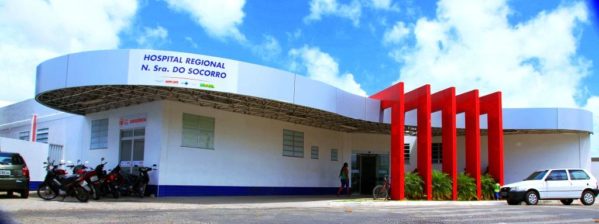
(445, 102)
(420, 99)
(393, 97)
(491, 105)
(469, 104)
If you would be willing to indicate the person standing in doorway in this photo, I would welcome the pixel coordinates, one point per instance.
(344, 177)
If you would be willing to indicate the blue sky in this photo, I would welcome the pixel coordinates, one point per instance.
(357, 49)
(539, 53)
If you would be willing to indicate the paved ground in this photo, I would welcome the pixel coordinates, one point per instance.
(287, 210)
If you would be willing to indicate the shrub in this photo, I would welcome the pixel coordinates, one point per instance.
(487, 183)
(466, 187)
(442, 185)
(413, 186)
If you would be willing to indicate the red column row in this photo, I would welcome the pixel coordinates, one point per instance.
(449, 104)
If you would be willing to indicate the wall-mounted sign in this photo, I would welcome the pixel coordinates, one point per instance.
(125, 163)
(133, 121)
(174, 69)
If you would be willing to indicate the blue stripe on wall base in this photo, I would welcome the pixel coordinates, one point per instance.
(33, 185)
(179, 190)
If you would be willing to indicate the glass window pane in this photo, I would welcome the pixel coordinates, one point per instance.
(138, 150)
(198, 131)
(99, 134)
(125, 153)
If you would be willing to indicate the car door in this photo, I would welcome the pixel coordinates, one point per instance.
(580, 181)
(557, 184)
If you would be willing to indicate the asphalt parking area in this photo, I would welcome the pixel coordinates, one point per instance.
(287, 210)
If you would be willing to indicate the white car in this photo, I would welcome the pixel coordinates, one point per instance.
(553, 184)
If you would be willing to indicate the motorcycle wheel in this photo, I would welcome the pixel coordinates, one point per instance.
(95, 192)
(80, 193)
(115, 191)
(141, 190)
(45, 192)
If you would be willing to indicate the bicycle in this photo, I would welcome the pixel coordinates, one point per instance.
(382, 191)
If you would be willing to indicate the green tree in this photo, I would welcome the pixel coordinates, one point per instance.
(487, 184)
(442, 185)
(466, 187)
(413, 185)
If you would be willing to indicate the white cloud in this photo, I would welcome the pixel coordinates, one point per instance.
(471, 45)
(396, 34)
(384, 5)
(381, 4)
(153, 37)
(34, 31)
(220, 19)
(269, 49)
(191, 42)
(322, 67)
(319, 8)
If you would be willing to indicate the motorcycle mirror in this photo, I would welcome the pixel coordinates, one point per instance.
(102, 159)
(78, 161)
(45, 163)
(154, 165)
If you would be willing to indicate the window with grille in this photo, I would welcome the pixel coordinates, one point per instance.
(293, 143)
(42, 135)
(198, 131)
(437, 153)
(314, 152)
(24, 135)
(406, 153)
(99, 134)
(334, 155)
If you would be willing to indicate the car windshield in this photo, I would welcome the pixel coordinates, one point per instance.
(10, 159)
(537, 175)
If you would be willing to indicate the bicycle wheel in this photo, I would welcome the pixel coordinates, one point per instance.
(379, 192)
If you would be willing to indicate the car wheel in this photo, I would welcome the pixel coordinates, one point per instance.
(567, 201)
(587, 198)
(531, 198)
(513, 202)
(25, 194)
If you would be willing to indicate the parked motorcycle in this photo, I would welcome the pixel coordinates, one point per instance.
(135, 184)
(109, 181)
(90, 176)
(57, 183)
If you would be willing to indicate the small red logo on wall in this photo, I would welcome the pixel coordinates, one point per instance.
(131, 121)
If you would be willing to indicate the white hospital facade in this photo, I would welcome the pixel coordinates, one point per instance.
(216, 126)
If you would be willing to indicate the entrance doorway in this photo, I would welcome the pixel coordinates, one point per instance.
(132, 149)
(368, 170)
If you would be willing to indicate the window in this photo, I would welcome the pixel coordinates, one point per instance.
(437, 153)
(578, 175)
(334, 155)
(557, 175)
(42, 135)
(537, 175)
(198, 131)
(314, 152)
(406, 153)
(293, 143)
(99, 134)
(24, 135)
